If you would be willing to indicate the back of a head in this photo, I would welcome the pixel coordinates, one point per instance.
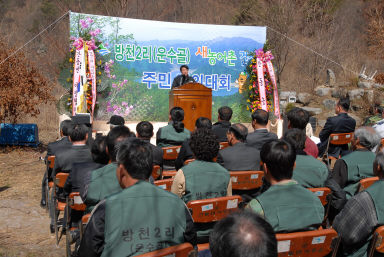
(114, 136)
(144, 129)
(368, 137)
(261, 117)
(203, 123)
(243, 234)
(99, 150)
(225, 113)
(379, 161)
(296, 137)
(239, 131)
(344, 103)
(280, 157)
(66, 127)
(136, 157)
(204, 144)
(78, 133)
(298, 118)
(177, 117)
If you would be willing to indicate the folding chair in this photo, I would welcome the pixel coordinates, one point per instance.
(59, 182)
(182, 250)
(324, 194)
(223, 145)
(317, 243)
(156, 172)
(170, 153)
(84, 222)
(188, 161)
(246, 180)
(337, 139)
(74, 202)
(367, 182)
(165, 184)
(213, 209)
(48, 185)
(377, 243)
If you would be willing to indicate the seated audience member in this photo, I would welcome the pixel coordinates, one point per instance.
(376, 113)
(79, 151)
(285, 199)
(261, 135)
(239, 156)
(379, 125)
(342, 123)
(308, 172)
(142, 217)
(80, 174)
(243, 234)
(103, 181)
(115, 121)
(299, 118)
(221, 127)
(353, 167)
(174, 133)
(185, 150)
(362, 214)
(202, 178)
(53, 147)
(144, 131)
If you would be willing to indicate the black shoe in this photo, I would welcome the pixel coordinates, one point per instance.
(52, 228)
(43, 203)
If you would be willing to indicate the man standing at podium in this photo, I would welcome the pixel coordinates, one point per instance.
(183, 78)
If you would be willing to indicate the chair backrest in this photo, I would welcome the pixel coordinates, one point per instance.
(340, 138)
(188, 161)
(322, 193)
(171, 152)
(51, 161)
(165, 184)
(181, 250)
(156, 171)
(214, 209)
(246, 180)
(367, 182)
(223, 145)
(60, 179)
(377, 241)
(85, 218)
(75, 202)
(308, 244)
(169, 173)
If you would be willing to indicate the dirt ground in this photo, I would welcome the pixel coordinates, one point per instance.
(24, 225)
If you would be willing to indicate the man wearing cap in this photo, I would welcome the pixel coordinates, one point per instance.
(115, 121)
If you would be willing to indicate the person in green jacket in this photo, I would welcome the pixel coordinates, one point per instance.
(174, 133)
(103, 181)
(202, 178)
(286, 205)
(308, 172)
(142, 217)
(362, 214)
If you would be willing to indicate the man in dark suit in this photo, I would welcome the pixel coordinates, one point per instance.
(79, 152)
(221, 127)
(342, 123)
(53, 147)
(185, 150)
(239, 156)
(183, 78)
(261, 135)
(144, 131)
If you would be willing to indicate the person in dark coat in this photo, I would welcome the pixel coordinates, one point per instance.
(261, 135)
(185, 150)
(144, 131)
(239, 156)
(53, 147)
(183, 78)
(221, 127)
(342, 123)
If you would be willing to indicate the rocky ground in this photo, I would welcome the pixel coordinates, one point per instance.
(24, 225)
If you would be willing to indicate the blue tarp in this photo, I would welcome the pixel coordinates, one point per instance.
(19, 134)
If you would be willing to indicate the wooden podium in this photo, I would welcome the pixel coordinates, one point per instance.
(196, 101)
